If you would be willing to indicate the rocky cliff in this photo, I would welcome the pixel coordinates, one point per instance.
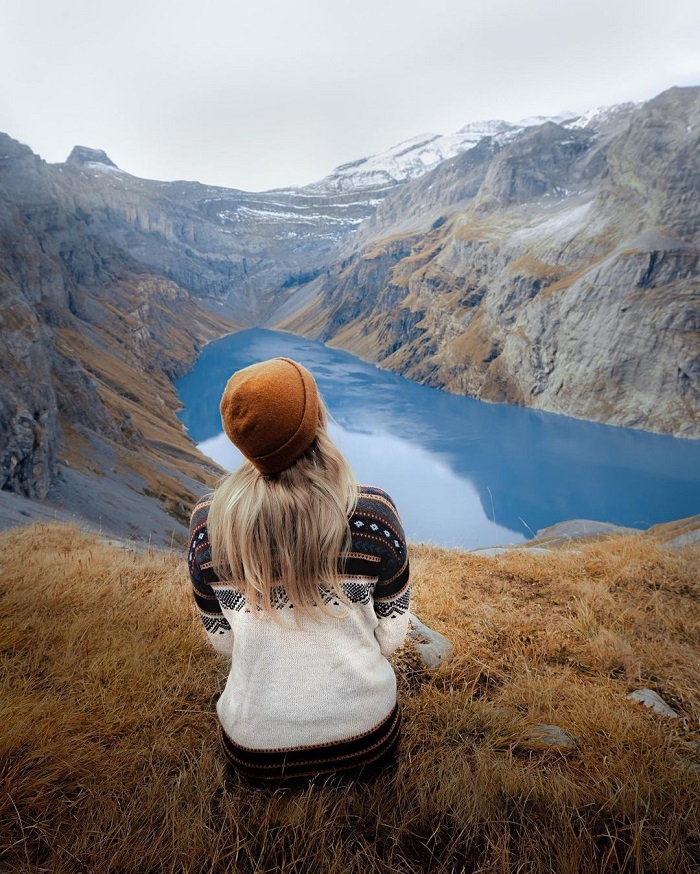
(558, 270)
(234, 247)
(91, 340)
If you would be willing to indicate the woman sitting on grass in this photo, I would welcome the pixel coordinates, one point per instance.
(300, 577)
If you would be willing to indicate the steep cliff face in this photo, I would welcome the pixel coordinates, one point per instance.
(559, 271)
(28, 413)
(90, 341)
(234, 246)
(30, 283)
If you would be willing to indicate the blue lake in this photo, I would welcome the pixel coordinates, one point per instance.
(463, 473)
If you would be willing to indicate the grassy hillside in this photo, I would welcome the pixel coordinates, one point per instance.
(109, 761)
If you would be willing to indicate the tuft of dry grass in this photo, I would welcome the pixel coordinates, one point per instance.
(109, 760)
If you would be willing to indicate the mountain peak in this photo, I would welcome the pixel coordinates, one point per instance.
(559, 118)
(84, 155)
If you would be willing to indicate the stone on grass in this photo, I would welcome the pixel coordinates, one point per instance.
(433, 648)
(580, 529)
(542, 736)
(651, 699)
(126, 545)
(690, 538)
(500, 550)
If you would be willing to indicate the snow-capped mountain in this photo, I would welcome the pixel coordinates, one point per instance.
(418, 155)
(327, 211)
(558, 270)
(601, 115)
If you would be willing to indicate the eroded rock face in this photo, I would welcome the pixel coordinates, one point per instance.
(562, 273)
(236, 247)
(28, 407)
(89, 340)
(85, 155)
(28, 462)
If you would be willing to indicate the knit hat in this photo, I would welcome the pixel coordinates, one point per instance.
(270, 412)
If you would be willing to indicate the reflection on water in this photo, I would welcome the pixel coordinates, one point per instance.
(463, 473)
(448, 511)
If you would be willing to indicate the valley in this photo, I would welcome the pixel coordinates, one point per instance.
(551, 264)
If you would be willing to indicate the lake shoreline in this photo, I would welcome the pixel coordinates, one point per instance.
(464, 473)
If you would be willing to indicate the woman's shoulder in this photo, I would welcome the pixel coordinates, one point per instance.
(375, 510)
(376, 529)
(371, 497)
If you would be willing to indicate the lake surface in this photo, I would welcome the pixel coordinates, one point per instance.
(463, 473)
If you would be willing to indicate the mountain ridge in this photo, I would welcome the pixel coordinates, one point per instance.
(492, 274)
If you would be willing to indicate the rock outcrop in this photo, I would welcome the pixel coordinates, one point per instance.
(651, 699)
(433, 649)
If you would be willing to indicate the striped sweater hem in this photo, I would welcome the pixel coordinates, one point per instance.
(273, 765)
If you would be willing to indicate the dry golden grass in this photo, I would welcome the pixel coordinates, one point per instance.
(528, 265)
(109, 761)
(471, 230)
(568, 280)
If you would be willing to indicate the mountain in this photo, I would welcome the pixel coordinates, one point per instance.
(549, 264)
(557, 270)
(110, 285)
(409, 159)
(91, 340)
(418, 155)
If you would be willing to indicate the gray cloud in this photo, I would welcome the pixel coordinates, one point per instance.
(273, 93)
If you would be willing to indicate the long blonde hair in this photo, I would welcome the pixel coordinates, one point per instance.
(285, 530)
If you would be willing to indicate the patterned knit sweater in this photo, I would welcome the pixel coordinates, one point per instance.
(307, 691)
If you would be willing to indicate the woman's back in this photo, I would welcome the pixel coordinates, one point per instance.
(309, 689)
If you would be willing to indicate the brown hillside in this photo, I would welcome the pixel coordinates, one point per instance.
(109, 762)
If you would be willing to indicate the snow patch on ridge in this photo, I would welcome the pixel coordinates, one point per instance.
(601, 114)
(409, 159)
(560, 227)
(416, 156)
(246, 212)
(105, 168)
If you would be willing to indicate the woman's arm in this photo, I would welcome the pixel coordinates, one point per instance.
(215, 624)
(392, 594)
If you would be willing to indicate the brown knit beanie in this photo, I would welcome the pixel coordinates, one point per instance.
(270, 412)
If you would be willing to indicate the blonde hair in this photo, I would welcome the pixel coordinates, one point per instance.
(287, 530)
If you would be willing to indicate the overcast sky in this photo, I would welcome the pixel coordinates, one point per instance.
(269, 93)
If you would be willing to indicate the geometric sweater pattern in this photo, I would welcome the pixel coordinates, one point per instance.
(311, 694)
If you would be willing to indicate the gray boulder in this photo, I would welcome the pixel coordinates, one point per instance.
(577, 529)
(651, 699)
(433, 648)
(690, 538)
(543, 736)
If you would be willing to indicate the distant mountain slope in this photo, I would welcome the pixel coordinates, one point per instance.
(108, 285)
(559, 270)
(415, 157)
